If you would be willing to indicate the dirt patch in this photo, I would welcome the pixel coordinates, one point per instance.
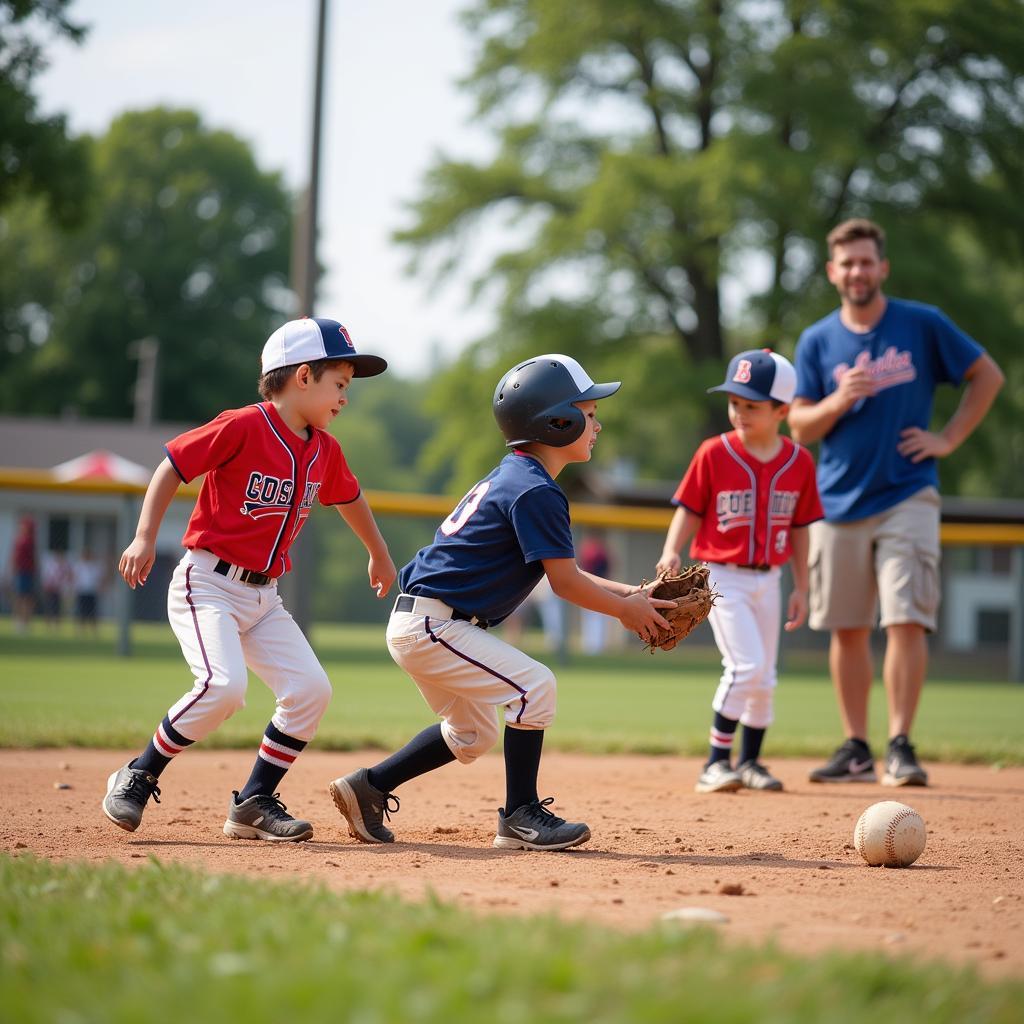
(778, 865)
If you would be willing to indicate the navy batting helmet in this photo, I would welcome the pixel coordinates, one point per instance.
(534, 400)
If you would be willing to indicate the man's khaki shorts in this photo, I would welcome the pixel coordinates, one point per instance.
(888, 562)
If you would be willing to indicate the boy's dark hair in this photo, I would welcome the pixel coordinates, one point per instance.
(852, 231)
(274, 381)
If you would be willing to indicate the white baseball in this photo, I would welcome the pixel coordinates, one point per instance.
(890, 834)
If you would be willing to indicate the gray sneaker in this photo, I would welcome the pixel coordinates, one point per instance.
(128, 790)
(754, 775)
(718, 777)
(264, 817)
(534, 827)
(364, 807)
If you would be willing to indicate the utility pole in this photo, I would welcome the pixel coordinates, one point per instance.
(297, 585)
(144, 397)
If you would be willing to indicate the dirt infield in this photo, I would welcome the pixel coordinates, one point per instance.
(778, 865)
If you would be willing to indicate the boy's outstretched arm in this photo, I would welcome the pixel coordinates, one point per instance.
(138, 557)
(633, 608)
(680, 532)
(380, 569)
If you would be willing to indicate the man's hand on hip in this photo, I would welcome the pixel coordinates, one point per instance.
(917, 445)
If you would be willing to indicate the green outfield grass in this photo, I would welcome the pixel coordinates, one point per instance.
(89, 944)
(64, 690)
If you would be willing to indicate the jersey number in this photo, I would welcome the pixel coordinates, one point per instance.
(465, 508)
(780, 541)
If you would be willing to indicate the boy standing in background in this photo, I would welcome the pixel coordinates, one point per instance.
(746, 500)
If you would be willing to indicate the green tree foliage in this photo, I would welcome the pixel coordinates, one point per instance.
(382, 432)
(647, 154)
(186, 240)
(37, 156)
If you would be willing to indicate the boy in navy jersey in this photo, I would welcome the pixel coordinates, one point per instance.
(511, 529)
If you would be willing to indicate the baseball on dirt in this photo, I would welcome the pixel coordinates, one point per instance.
(890, 834)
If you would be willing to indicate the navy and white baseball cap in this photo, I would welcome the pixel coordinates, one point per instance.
(312, 338)
(760, 375)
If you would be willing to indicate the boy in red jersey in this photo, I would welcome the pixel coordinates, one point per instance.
(747, 500)
(265, 465)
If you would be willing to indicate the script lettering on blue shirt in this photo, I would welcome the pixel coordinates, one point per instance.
(908, 353)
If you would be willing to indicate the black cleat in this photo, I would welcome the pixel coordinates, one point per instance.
(128, 791)
(852, 762)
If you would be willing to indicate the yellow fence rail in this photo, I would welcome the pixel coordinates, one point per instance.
(439, 505)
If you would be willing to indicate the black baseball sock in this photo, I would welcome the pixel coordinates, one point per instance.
(750, 744)
(722, 732)
(166, 743)
(422, 754)
(522, 765)
(277, 754)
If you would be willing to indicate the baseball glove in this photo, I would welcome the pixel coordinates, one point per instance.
(694, 598)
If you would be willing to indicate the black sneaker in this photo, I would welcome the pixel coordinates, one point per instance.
(128, 791)
(852, 762)
(264, 817)
(534, 827)
(901, 767)
(364, 807)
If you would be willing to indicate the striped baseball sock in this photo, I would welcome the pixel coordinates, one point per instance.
(277, 754)
(722, 731)
(166, 744)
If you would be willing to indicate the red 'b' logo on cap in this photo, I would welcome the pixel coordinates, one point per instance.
(344, 334)
(742, 372)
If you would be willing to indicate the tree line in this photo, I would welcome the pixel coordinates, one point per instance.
(662, 177)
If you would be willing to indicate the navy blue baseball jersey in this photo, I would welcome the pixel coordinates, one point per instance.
(908, 353)
(486, 556)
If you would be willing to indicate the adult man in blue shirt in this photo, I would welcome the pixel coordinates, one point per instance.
(866, 379)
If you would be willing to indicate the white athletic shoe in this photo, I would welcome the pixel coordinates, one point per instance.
(754, 775)
(718, 777)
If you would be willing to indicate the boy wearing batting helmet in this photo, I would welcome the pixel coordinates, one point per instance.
(746, 501)
(511, 529)
(264, 467)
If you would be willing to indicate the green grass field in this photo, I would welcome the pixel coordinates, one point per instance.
(162, 941)
(64, 690)
(83, 944)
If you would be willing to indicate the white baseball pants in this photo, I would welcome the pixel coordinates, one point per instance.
(467, 674)
(225, 628)
(746, 622)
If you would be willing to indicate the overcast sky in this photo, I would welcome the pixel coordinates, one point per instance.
(390, 104)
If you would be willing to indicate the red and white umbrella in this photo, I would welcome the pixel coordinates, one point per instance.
(102, 465)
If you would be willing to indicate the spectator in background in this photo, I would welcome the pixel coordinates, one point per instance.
(593, 558)
(56, 579)
(866, 378)
(551, 609)
(23, 565)
(87, 578)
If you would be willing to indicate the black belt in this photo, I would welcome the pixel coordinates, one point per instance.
(752, 568)
(406, 603)
(257, 579)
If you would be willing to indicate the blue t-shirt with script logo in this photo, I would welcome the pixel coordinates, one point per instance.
(486, 556)
(909, 352)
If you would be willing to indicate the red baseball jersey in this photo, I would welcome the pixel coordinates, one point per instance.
(748, 507)
(261, 481)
